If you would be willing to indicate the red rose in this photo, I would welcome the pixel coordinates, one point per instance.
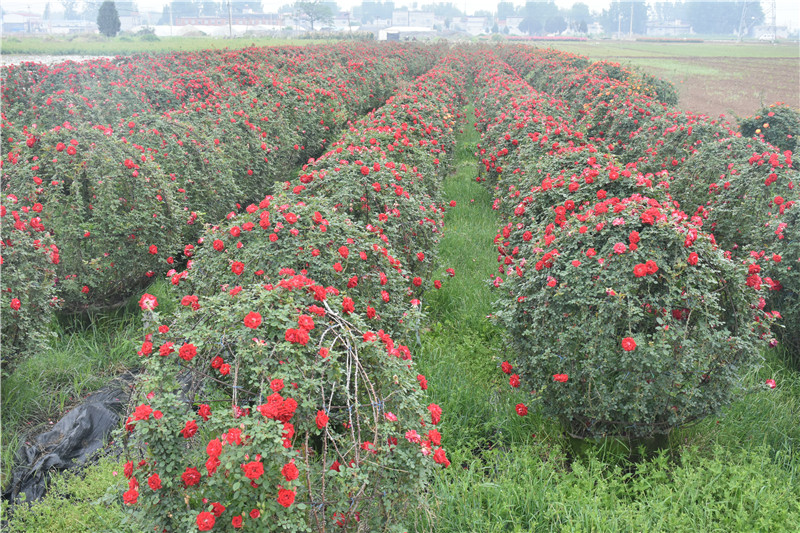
(255, 513)
(204, 411)
(522, 410)
(322, 419)
(236, 521)
(506, 367)
(154, 482)
(148, 302)
(652, 267)
(436, 413)
(290, 471)
(189, 429)
(130, 496)
(628, 344)
(440, 457)
(348, 305)
(640, 270)
(205, 521)
(187, 352)
(15, 304)
(252, 320)
(142, 412)
(217, 509)
(561, 378)
(514, 380)
(692, 260)
(253, 470)
(306, 322)
(190, 477)
(286, 497)
(237, 267)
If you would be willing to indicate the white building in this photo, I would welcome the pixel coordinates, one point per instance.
(419, 19)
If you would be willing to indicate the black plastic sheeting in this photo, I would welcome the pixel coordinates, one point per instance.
(72, 441)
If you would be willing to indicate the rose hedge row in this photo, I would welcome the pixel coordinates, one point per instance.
(738, 186)
(156, 145)
(595, 260)
(303, 416)
(294, 310)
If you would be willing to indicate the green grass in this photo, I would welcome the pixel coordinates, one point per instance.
(623, 50)
(90, 351)
(74, 504)
(99, 45)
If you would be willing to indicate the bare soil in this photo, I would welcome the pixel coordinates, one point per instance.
(739, 87)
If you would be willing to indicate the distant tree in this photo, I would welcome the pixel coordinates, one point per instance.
(752, 16)
(538, 12)
(505, 10)
(108, 19)
(723, 18)
(582, 27)
(618, 17)
(46, 14)
(529, 25)
(555, 24)
(69, 9)
(579, 11)
(165, 18)
(495, 28)
(443, 10)
(313, 11)
(211, 9)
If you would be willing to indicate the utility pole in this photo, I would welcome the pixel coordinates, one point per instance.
(230, 20)
(171, 21)
(619, 26)
(741, 21)
(630, 32)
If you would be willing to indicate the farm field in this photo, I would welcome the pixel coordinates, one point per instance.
(734, 79)
(402, 288)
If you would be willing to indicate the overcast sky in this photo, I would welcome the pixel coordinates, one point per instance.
(788, 11)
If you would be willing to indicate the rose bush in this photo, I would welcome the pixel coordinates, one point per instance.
(307, 417)
(167, 142)
(649, 320)
(285, 234)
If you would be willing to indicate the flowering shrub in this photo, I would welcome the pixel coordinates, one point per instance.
(778, 124)
(28, 299)
(649, 321)
(386, 170)
(153, 146)
(284, 234)
(108, 210)
(626, 318)
(736, 186)
(307, 417)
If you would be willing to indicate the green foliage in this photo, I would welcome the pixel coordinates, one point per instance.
(108, 19)
(72, 504)
(527, 488)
